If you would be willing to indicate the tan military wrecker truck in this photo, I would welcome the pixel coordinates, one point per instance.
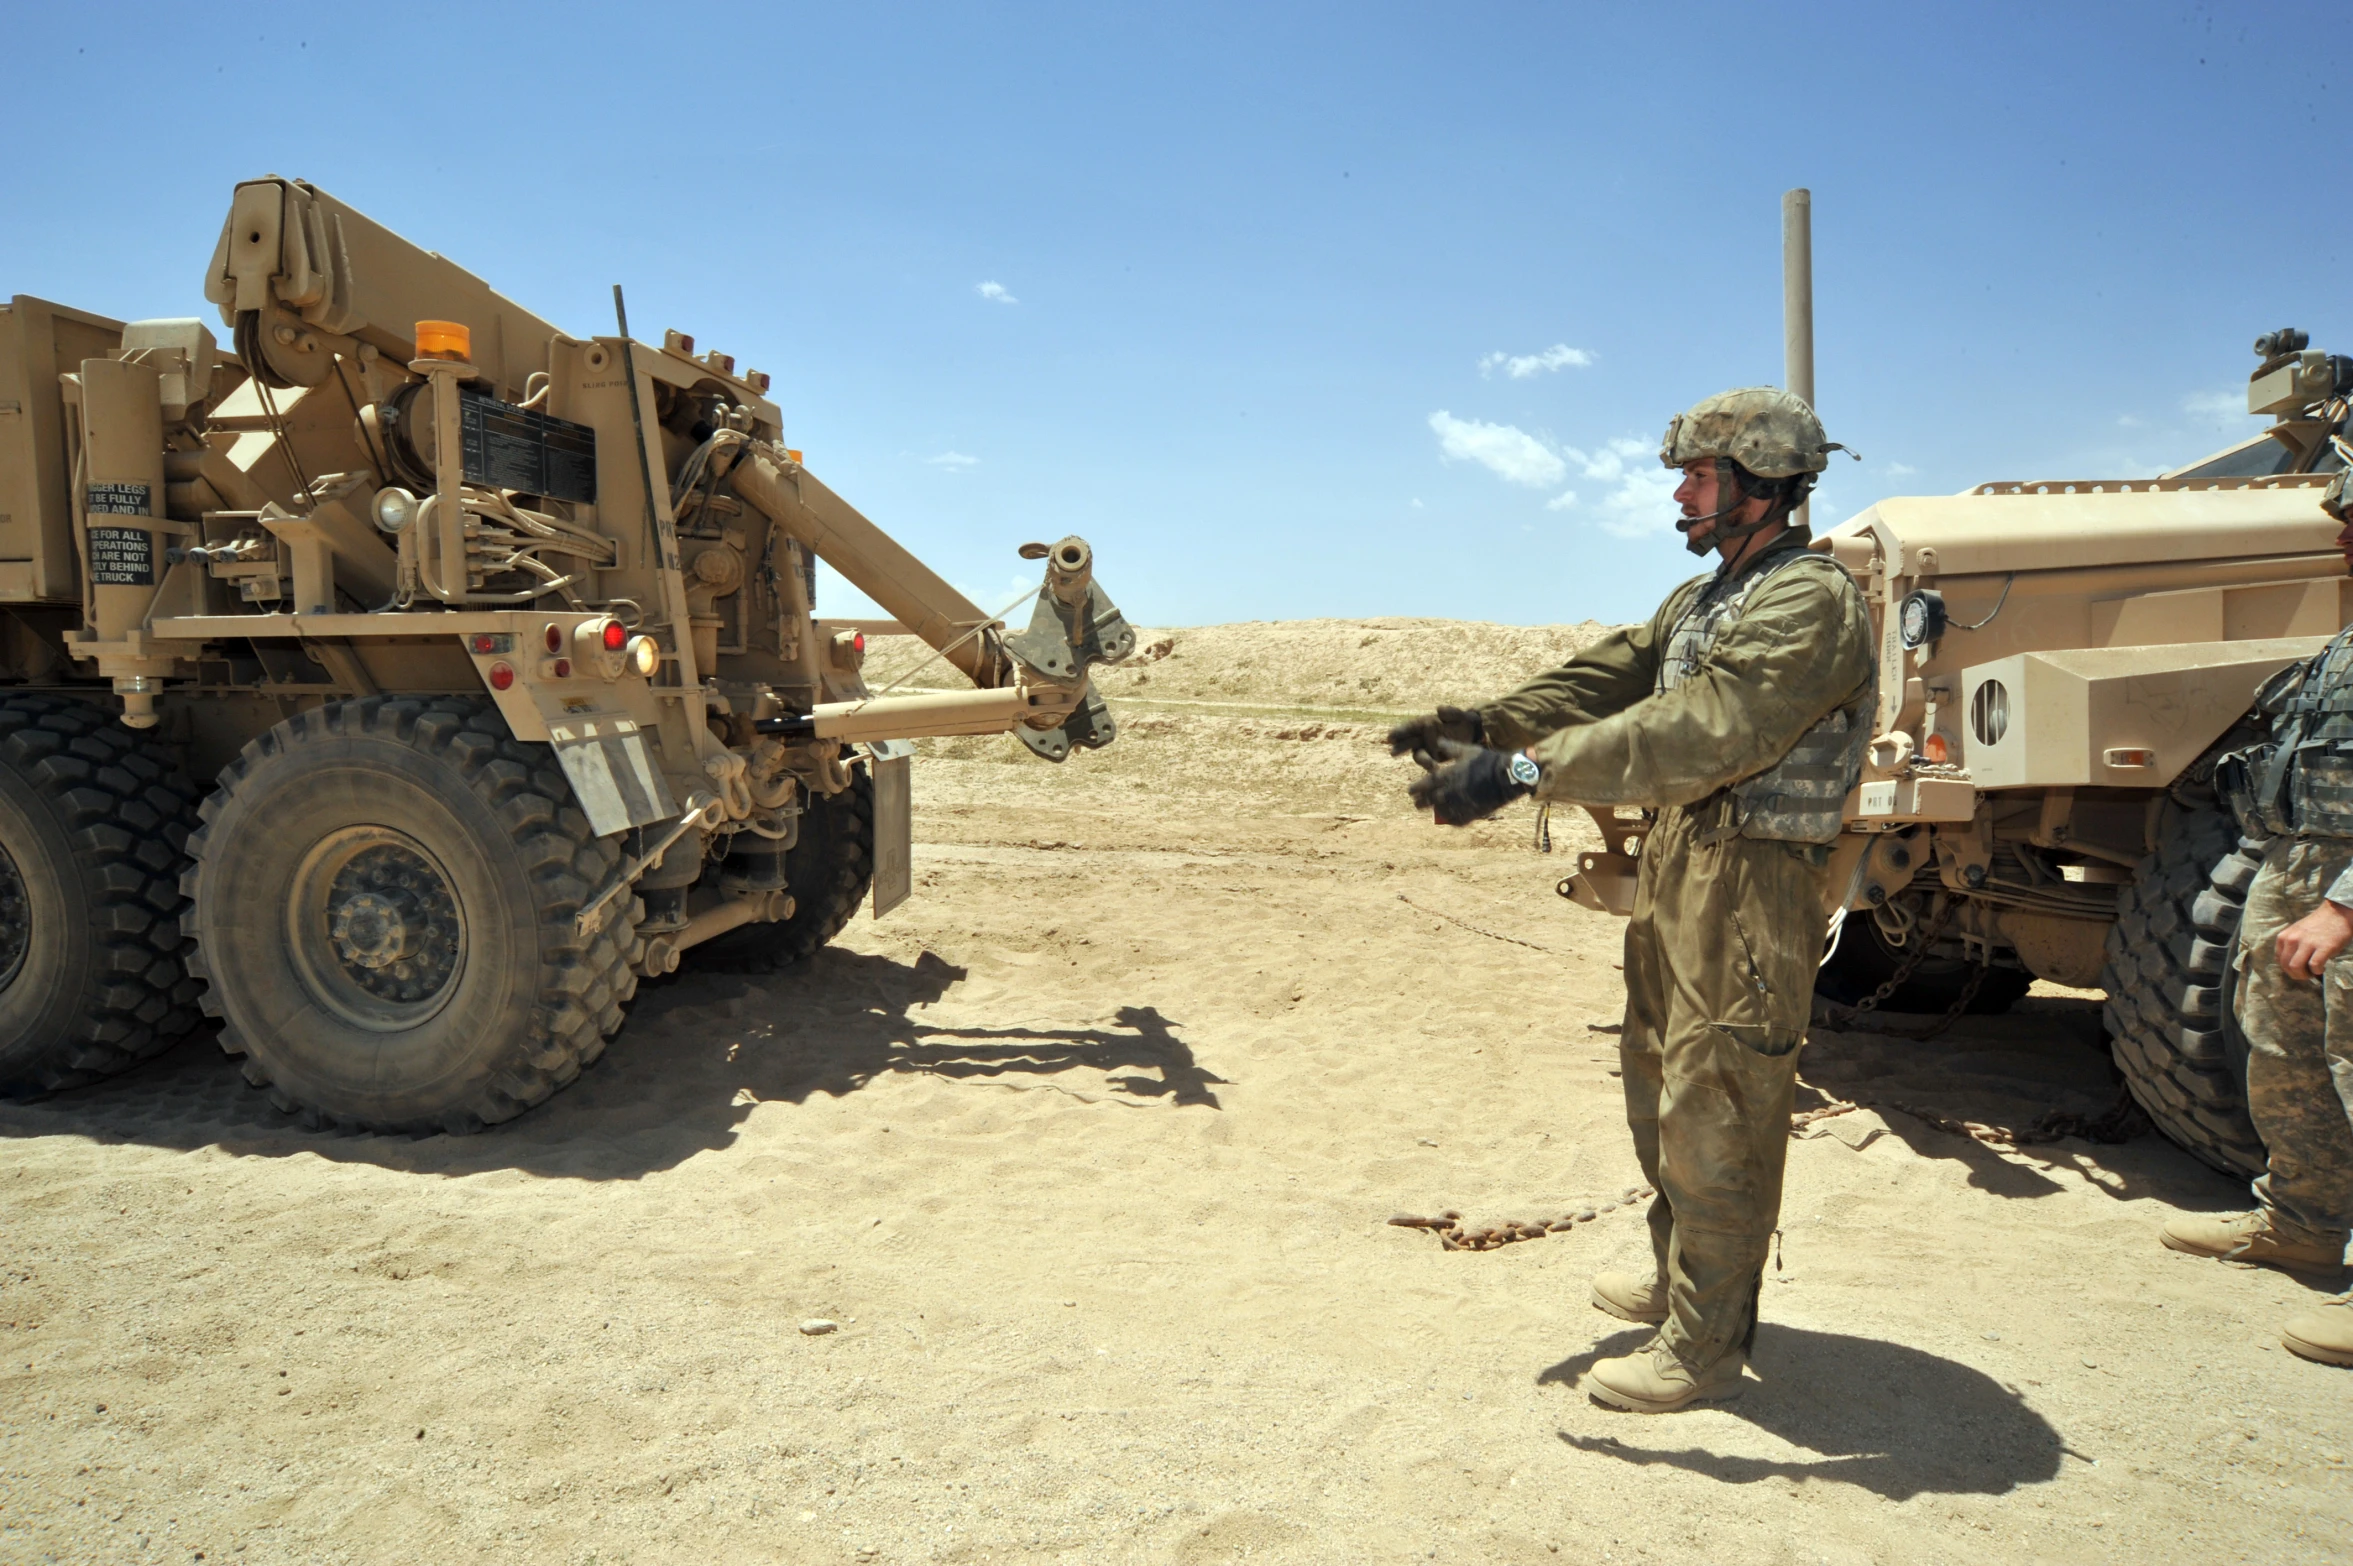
(401, 687)
(2060, 664)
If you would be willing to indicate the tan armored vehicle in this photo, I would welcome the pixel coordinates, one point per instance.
(2061, 663)
(402, 686)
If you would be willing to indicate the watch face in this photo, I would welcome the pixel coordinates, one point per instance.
(1525, 771)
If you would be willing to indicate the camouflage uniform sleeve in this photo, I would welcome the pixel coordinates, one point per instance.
(1801, 649)
(2340, 890)
(1608, 677)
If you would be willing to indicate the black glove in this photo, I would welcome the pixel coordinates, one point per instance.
(1422, 736)
(1474, 785)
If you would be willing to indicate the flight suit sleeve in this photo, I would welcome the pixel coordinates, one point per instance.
(1608, 677)
(1801, 649)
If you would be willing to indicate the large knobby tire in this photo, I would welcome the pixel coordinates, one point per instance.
(829, 871)
(94, 823)
(382, 897)
(1862, 961)
(2171, 985)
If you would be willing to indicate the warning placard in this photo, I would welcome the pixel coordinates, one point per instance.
(120, 500)
(122, 556)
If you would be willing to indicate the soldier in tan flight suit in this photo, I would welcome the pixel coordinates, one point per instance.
(1739, 715)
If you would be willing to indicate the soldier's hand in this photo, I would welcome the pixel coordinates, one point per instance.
(1472, 785)
(2306, 946)
(1423, 736)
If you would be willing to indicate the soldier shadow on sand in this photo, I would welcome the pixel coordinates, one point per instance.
(2046, 1054)
(699, 1054)
(1879, 1416)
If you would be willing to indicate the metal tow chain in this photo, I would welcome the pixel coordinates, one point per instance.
(2122, 1121)
(1455, 1234)
(1465, 924)
(1843, 1016)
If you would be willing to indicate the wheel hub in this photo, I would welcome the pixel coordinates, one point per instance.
(370, 930)
(377, 927)
(16, 920)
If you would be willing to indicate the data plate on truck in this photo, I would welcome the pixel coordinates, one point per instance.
(613, 773)
(521, 449)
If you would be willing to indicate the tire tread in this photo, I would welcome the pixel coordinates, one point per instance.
(2167, 979)
(127, 810)
(584, 986)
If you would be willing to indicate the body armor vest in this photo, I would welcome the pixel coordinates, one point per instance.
(1802, 797)
(2300, 781)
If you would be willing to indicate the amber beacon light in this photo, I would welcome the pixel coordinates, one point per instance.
(444, 340)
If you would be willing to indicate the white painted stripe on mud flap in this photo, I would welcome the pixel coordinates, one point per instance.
(594, 786)
(657, 789)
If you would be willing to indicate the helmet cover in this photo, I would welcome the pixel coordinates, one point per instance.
(1768, 431)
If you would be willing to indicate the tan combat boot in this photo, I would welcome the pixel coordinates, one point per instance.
(2324, 1333)
(1630, 1298)
(1651, 1380)
(2249, 1238)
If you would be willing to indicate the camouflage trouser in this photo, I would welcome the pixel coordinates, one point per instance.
(2300, 1048)
(1720, 960)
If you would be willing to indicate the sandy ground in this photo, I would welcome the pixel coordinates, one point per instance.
(1089, 1150)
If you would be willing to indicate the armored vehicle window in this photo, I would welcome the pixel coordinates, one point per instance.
(2249, 459)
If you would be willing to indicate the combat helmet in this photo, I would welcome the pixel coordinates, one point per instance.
(1764, 441)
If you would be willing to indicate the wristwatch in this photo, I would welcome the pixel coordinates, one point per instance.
(1523, 771)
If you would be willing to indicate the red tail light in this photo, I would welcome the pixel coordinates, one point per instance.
(502, 676)
(616, 636)
(555, 637)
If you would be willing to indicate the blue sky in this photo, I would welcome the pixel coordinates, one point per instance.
(1291, 309)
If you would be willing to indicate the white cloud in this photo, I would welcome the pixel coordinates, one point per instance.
(2220, 410)
(1901, 470)
(1505, 450)
(1637, 498)
(1519, 367)
(1640, 500)
(995, 293)
(953, 461)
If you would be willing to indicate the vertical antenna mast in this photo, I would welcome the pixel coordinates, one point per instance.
(1797, 300)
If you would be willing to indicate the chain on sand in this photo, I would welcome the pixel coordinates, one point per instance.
(2122, 1121)
(1456, 1235)
(1465, 924)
